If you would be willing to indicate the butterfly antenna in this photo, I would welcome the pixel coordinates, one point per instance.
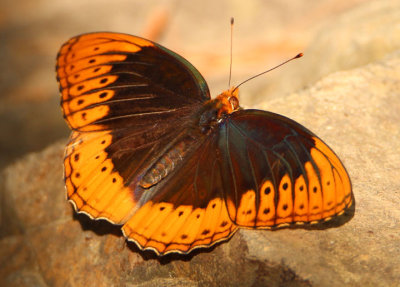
(230, 65)
(269, 70)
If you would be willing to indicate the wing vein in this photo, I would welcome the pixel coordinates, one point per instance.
(231, 169)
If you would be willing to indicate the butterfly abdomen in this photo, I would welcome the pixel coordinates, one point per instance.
(166, 163)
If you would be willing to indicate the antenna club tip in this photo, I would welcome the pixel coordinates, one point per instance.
(232, 20)
(299, 55)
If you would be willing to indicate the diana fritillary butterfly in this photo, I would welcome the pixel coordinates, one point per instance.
(151, 151)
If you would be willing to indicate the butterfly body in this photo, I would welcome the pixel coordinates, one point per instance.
(150, 150)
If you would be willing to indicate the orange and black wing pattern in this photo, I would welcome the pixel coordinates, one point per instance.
(124, 98)
(276, 173)
(188, 210)
(110, 81)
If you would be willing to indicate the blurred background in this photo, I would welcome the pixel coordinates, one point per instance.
(333, 34)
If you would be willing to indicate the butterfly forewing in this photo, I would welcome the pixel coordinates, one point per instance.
(110, 81)
(276, 172)
(126, 98)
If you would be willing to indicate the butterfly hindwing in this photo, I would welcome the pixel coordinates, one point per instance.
(92, 185)
(277, 173)
(187, 210)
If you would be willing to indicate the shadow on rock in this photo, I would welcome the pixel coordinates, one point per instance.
(103, 227)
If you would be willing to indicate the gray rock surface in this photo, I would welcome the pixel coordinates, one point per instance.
(358, 36)
(43, 243)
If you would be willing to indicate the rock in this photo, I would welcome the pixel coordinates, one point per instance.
(47, 244)
(43, 243)
(358, 36)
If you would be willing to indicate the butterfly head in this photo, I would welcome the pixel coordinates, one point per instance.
(215, 110)
(227, 102)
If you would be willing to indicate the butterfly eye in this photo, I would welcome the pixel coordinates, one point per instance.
(234, 102)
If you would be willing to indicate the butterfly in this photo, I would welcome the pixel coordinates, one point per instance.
(152, 152)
